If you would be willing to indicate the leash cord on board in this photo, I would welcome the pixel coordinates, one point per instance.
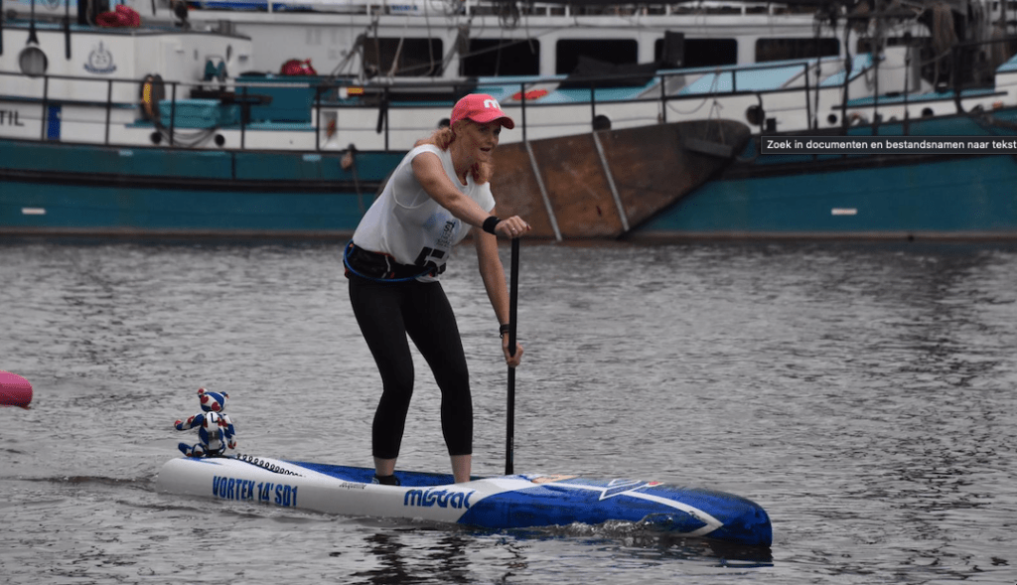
(265, 465)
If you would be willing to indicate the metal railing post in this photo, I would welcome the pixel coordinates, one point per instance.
(522, 91)
(317, 116)
(875, 93)
(907, 83)
(44, 119)
(243, 121)
(109, 107)
(808, 106)
(663, 98)
(173, 112)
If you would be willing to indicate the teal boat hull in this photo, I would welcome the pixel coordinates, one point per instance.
(53, 187)
(88, 189)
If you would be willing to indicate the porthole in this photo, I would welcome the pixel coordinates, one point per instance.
(601, 122)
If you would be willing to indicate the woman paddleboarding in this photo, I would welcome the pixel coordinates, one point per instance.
(439, 191)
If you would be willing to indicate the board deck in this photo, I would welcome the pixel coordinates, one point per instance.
(504, 502)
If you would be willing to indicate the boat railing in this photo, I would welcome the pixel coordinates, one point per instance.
(385, 97)
(156, 102)
(508, 10)
(153, 97)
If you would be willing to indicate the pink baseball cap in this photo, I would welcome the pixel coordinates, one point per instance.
(482, 108)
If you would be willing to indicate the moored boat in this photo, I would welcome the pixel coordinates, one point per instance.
(163, 130)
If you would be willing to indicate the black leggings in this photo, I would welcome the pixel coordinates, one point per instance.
(386, 313)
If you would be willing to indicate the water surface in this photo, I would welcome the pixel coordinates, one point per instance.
(862, 393)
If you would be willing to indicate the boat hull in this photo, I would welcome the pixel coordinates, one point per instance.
(879, 196)
(515, 501)
(50, 188)
(53, 188)
(933, 197)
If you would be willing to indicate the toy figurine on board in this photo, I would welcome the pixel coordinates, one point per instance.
(215, 429)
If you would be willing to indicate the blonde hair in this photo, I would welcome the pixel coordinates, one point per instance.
(443, 139)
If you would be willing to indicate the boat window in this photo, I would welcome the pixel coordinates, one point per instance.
(863, 44)
(614, 51)
(419, 57)
(802, 48)
(501, 57)
(702, 52)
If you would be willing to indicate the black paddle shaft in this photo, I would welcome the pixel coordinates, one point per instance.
(511, 409)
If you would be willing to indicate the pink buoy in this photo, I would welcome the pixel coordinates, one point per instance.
(14, 390)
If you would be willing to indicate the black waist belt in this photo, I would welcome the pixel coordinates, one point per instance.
(380, 266)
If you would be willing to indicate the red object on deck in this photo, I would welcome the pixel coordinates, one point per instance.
(297, 67)
(14, 390)
(533, 94)
(123, 16)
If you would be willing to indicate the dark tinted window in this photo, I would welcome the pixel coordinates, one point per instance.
(805, 48)
(615, 51)
(501, 57)
(702, 52)
(416, 58)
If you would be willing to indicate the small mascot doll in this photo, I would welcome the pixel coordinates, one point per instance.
(215, 429)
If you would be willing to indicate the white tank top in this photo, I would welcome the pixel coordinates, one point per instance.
(407, 224)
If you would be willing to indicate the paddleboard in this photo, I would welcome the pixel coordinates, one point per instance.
(504, 502)
(14, 390)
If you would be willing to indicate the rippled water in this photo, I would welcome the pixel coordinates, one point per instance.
(862, 393)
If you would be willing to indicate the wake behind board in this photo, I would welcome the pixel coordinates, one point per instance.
(513, 501)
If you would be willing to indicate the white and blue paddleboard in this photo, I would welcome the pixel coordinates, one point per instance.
(512, 501)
